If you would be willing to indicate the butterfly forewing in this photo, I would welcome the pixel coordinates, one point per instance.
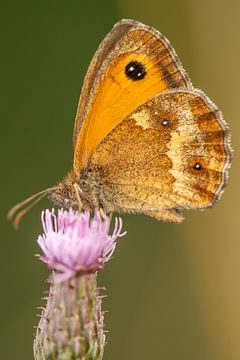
(139, 65)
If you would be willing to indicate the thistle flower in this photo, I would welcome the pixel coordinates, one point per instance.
(74, 246)
(73, 243)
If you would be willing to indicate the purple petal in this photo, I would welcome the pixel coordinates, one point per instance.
(73, 242)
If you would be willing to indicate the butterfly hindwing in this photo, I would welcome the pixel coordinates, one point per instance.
(172, 152)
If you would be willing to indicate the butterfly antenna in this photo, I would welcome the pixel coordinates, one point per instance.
(34, 199)
(21, 214)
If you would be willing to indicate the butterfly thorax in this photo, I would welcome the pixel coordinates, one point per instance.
(81, 192)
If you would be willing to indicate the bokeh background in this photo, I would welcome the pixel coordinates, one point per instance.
(173, 290)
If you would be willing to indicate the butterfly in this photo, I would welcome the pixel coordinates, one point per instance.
(145, 140)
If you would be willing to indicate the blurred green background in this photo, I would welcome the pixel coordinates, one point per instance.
(173, 290)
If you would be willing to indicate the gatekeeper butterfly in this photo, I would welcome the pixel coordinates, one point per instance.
(145, 140)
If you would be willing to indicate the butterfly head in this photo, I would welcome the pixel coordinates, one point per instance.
(67, 193)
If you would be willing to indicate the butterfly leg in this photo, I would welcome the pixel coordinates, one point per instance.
(77, 192)
(103, 214)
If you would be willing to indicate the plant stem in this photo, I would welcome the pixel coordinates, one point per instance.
(71, 325)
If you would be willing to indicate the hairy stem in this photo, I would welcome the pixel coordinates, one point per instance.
(71, 325)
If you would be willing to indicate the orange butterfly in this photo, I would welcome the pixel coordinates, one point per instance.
(144, 139)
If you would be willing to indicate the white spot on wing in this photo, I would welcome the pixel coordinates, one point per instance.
(142, 118)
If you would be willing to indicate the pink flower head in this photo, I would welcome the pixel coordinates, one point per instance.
(74, 242)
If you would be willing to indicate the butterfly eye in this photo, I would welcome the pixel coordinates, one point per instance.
(197, 166)
(165, 122)
(135, 70)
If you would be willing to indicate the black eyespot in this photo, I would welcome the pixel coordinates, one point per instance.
(135, 70)
(165, 122)
(197, 166)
